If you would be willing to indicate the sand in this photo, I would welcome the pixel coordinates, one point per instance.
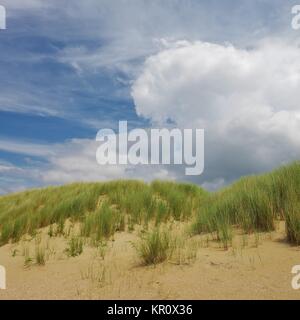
(253, 268)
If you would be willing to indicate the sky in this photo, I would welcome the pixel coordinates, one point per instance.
(69, 68)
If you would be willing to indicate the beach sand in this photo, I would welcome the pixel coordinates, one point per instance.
(255, 267)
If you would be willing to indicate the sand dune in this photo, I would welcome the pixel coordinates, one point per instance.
(256, 267)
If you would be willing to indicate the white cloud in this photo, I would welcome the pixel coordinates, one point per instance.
(246, 100)
(24, 4)
(71, 161)
(14, 178)
(119, 35)
(26, 148)
(76, 161)
(7, 167)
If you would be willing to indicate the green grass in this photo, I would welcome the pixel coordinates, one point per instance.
(40, 255)
(127, 203)
(252, 203)
(75, 247)
(102, 223)
(155, 247)
(293, 219)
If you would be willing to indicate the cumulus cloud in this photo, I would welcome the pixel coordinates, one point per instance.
(246, 100)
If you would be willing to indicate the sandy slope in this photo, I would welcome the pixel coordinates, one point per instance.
(242, 272)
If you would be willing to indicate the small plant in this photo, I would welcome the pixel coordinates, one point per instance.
(293, 220)
(27, 258)
(75, 247)
(60, 227)
(27, 261)
(162, 212)
(256, 239)
(38, 239)
(244, 240)
(68, 231)
(14, 252)
(40, 256)
(225, 235)
(97, 274)
(155, 247)
(185, 252)
(51, 231)
(102, 248)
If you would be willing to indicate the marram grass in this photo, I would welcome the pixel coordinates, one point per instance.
(253, 204)
(101, 208)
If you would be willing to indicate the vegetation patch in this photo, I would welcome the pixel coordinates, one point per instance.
(252, 204)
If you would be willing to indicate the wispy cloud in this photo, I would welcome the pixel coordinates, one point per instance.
(21, 147)
(72, 161)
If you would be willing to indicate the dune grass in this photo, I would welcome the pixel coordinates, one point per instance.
(102, 223)
(155, 247)
(40, 255)
(252, 204)
(292, 216)
(75, 247)
(126, 203)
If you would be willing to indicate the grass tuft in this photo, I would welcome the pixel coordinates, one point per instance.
(75, 247)
(40, 256)
(155, 247)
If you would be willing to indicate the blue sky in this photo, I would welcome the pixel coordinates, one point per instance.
(69, 68)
